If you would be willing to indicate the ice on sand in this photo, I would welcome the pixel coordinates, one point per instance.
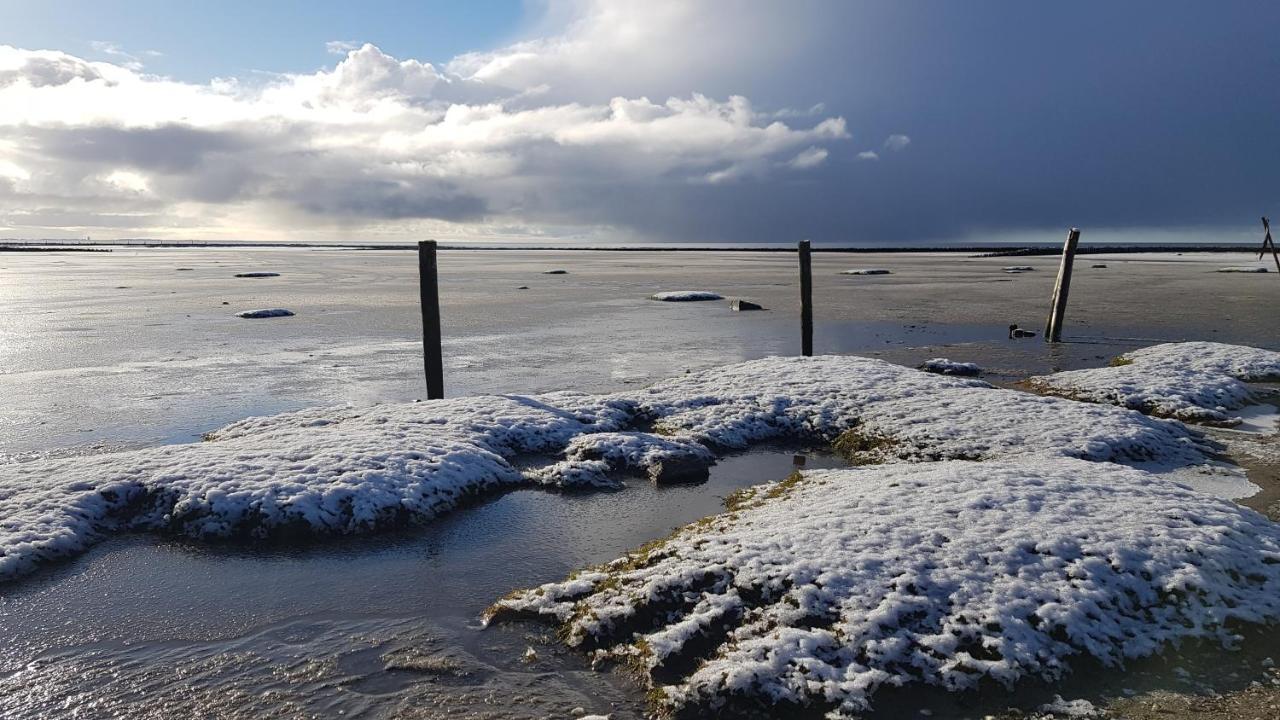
(1193, 381)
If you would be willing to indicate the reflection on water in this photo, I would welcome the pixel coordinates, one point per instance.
(373, 627)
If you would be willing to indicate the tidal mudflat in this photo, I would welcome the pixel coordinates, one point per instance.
(137, 354)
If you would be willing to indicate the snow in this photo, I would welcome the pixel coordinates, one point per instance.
(1192, 381)
(867, 271)
(257, 274)
(589, 459)
(820, 590)
(1018, 268)
(944, 366)
(264, 313)
(686, 296)
(348, 470)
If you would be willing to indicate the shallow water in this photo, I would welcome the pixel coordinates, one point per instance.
(140, 625)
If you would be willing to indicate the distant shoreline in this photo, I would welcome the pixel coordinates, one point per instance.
(980, 250)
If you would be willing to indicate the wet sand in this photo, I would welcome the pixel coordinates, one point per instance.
(122, 349)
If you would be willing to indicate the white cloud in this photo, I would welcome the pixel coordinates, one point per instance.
(809, 158)
(896, 142)
(868, 155)
(122, 58)
(341, 47)
(375, 144)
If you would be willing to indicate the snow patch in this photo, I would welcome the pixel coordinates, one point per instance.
(819, 590)
(943, 366)
(264, 313)
(1192, 381)
(866, 271)
(686, 296)
(359, 470)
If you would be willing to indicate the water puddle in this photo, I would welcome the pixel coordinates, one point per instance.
(1261, 419)
(365, 627)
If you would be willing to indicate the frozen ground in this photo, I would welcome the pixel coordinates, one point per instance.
(164, 360)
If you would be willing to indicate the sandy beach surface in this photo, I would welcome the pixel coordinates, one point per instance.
(138, 347)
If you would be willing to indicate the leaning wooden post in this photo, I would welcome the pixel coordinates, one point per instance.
(1268, 243)
(430, 302)
(1058, 308)
(806, 301)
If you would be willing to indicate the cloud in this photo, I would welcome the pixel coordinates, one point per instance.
(122, 58)
(896, 142)
(672, 120)
(373, 141)
(809, 158)
(42, 68)
(341, 47)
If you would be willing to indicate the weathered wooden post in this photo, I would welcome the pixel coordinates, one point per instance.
(806, 301)
(1058, 308)
(429, 291)
(1267, 243)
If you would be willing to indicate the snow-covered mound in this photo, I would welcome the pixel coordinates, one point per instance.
(1193, 381)
(866, 271)
(686, 296)
(818, 590)
(944, 366)
(264, 313)
(907, 414)
(257, 274)
(346, 470)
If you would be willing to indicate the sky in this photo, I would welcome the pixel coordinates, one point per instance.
(851, 122)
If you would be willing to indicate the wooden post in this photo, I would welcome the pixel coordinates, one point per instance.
(429, 290)
(1268, 243)
(806, 301)
(1058, 308)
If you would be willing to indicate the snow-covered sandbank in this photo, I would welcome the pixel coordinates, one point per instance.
(814, 592)
(1192, 381)
(357, 470)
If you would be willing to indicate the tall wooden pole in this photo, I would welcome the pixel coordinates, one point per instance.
(806, 301)
(1058, 307)
(429, 290)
